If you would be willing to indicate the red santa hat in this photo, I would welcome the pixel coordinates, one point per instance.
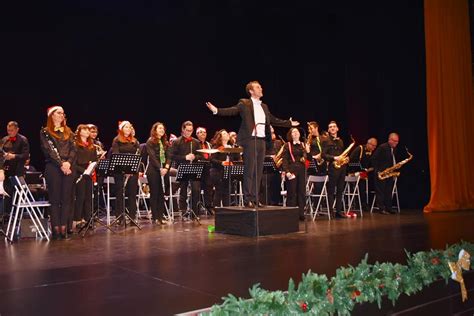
(54, 108)
(200, 129)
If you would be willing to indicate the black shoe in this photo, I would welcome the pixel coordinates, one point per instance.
(249, 204)
(384, 212)
(302, 218)
(392, 212)
(340, 215)
(65, 236)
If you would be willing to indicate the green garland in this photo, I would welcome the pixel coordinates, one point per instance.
(318, 295)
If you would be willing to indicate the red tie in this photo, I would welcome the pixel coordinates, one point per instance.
(203, 146)
(12, 139)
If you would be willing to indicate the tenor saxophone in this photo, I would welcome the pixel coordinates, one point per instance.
(344, 158)
(393, 170)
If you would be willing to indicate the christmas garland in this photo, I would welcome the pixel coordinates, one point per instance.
(318, 295)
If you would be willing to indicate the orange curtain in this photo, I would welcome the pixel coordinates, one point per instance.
(450, 108)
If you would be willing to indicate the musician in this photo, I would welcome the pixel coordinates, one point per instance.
(361, 156)
(233, 139)
(384, 157)
(28, 166)
(314, 149)
(294, 157)
(184, 151)
(332, 147)
(57, 144)
(206, 181)
(219, 160)
(100, 147)
(254, 134)
(16, 151)
(85, 154)
(157, 148)
(123, 143)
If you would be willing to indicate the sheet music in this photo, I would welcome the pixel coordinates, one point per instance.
(90, 168)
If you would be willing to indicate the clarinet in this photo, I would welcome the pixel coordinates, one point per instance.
(52, 147)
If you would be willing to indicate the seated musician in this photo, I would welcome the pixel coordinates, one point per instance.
(206, 182)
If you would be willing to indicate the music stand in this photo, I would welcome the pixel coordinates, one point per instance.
(100, 169)
(124, 164)
(233, 172)
(269, 167)
(186, 172)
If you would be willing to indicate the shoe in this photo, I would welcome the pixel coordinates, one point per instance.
(65, 236)
(392, 212)
(384, 212)
(249, 204)
(302, 218)
(340, 215)
(260, 204)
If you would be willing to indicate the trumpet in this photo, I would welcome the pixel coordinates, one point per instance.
(344, 158)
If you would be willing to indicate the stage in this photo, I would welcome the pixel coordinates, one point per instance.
(181, 267)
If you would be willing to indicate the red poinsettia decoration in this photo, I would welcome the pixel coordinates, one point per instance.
(435, 261)
(355, 294)
(381, 286)
(304, 307)
(329, 296)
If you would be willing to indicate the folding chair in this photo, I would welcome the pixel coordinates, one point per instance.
(171, 196)
(351, 191)
(23, 200)
(142, 196)
(394, 194)
(313, 184)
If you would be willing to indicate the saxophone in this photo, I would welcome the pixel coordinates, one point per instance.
(392, 171)
(278, 158)
(344, 156)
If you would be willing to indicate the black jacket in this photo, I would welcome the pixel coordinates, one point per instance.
(21, 148)
(382, 157)
(245, 109)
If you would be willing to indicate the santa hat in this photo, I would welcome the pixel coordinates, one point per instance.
(122, 124)
(200, 129)
(53, 108)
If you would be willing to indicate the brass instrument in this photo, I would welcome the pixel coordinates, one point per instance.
(344, 158)
(392, 171)
(278, 158)
(99, 151)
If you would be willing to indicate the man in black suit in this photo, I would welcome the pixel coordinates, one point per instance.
(384, 157)
(16, 151)
(254, 135)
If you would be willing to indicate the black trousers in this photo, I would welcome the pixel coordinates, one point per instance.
(254, 155)
(206, 186)
(157, 195)
(183, 194)
(222, 186)
(131, 192)
(83, 203)
(383, 192)
(296, 188)
(270, 192)
(336, 183)
(60, 193)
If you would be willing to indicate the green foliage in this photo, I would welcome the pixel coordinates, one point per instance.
(364, 283)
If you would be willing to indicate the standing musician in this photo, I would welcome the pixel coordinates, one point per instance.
(254, 135)
(16, 151)
(57, 144)
(184, 151)
(294, 158)
(219, 160)
(384, 157)
(332, 148)
(99, 146)
(362, 155)
(315, 149)
(206, 182)
(158, 168)
(85, 154)
(123, 143)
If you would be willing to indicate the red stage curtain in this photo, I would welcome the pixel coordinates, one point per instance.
(450, 108)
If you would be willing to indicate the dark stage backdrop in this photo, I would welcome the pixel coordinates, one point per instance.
(360, 63)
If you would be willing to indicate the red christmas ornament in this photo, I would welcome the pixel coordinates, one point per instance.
(329, 296)
(381, 286)
(304, 307)
(435, 261)
(355, 294)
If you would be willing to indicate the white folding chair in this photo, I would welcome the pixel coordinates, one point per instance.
(394, 195)
(351, 192)
(171, 197)
(23, 200)
(318, 198)
(142, 198)
(283, 192)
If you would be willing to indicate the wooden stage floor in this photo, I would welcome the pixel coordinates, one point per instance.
(181, 267)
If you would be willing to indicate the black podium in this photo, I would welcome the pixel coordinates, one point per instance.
(124, 164)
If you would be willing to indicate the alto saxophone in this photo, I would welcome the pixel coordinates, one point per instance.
(344, 158)
(393, 170)
(278, 158)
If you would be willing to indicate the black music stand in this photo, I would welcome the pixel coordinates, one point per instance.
(124, 164)
(233, 172)
(269, 167)
(100, 169)
(186, 172)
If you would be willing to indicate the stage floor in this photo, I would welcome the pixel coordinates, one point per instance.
(181, 267)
